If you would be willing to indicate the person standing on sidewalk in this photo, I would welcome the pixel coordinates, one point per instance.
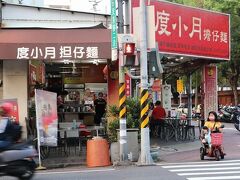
(100, 108)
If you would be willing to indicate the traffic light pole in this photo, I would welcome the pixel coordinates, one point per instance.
(122, 94)
(145, 158)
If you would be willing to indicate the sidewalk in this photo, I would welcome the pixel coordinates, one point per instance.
(164, 148)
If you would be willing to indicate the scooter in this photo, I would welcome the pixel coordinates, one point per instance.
(237, 122)
(17, 161)
(216, 149)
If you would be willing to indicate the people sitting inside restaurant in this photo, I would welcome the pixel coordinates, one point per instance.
(88, 100)
(157, 121)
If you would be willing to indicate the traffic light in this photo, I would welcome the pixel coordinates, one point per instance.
(130, 54)
(128, 48)
(154, 64)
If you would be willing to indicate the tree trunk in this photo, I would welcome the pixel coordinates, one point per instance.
(235, 95)
(234, 84)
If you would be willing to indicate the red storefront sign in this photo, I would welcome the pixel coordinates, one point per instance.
(190, 31)
(128, 84)
(210, 89)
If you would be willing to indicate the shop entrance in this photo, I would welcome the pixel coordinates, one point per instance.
(77, 86)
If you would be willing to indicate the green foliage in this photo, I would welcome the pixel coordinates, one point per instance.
(133, 117)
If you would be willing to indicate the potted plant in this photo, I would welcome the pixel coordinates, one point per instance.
(133, 124)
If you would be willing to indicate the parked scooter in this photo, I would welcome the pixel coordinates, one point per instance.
(237, 122)
(17, 161)
(216, 149)
(224, 115)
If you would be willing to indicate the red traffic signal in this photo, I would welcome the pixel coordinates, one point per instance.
(129, 48)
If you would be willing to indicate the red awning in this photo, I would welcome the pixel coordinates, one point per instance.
(67, 43)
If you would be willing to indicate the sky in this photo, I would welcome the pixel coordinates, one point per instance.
(83, 5)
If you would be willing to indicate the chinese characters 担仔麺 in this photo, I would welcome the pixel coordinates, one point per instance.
(76, 52)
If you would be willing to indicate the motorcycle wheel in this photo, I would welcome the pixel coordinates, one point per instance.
(22, 169)
(236, 126)
(202, 153)
(222, 156)
(217, 154)
(27, 175)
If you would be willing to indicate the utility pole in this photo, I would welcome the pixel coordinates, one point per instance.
(145, 158)
(122, 93)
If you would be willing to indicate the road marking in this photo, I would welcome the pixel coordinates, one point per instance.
(81, 171)
(204, 169)
(208, 170)
(202, 165)
(208, 173)
(202, 162)
(230, 129)
(216, 177)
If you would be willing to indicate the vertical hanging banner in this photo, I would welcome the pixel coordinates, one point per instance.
(187, 31)
(128, 83)
(32, 74)
(114, 30)
(156, 87)
(46, 115)
(15, 112)
(210, 89)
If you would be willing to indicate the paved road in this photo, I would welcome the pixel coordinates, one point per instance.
(176, 166)
(206, 170)
(231, 142)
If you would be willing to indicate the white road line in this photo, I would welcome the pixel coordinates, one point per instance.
(204, 169)
(201, 165)
(202, 162)
(69, 172)
(216, 178)
(229, 128)
(208, 173)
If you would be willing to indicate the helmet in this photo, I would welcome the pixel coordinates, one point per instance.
(6, 109)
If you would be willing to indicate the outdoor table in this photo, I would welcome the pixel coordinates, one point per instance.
(87, 128)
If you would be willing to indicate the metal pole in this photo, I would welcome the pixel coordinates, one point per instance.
(145, 158)
(120, 17)
(0, 14)
(122, 94)
(127, 17)
(189, 79)
(196, 91)
(180, 99)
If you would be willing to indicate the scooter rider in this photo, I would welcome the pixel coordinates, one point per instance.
(5, 126)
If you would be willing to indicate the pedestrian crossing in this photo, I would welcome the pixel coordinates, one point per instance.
(206, 170)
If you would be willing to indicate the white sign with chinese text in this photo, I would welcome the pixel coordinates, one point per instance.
(166, 97)
(63, 52)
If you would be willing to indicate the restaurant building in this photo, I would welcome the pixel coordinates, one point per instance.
(57, 50)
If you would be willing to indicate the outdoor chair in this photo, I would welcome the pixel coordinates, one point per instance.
(62, 144)
(73, 140)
